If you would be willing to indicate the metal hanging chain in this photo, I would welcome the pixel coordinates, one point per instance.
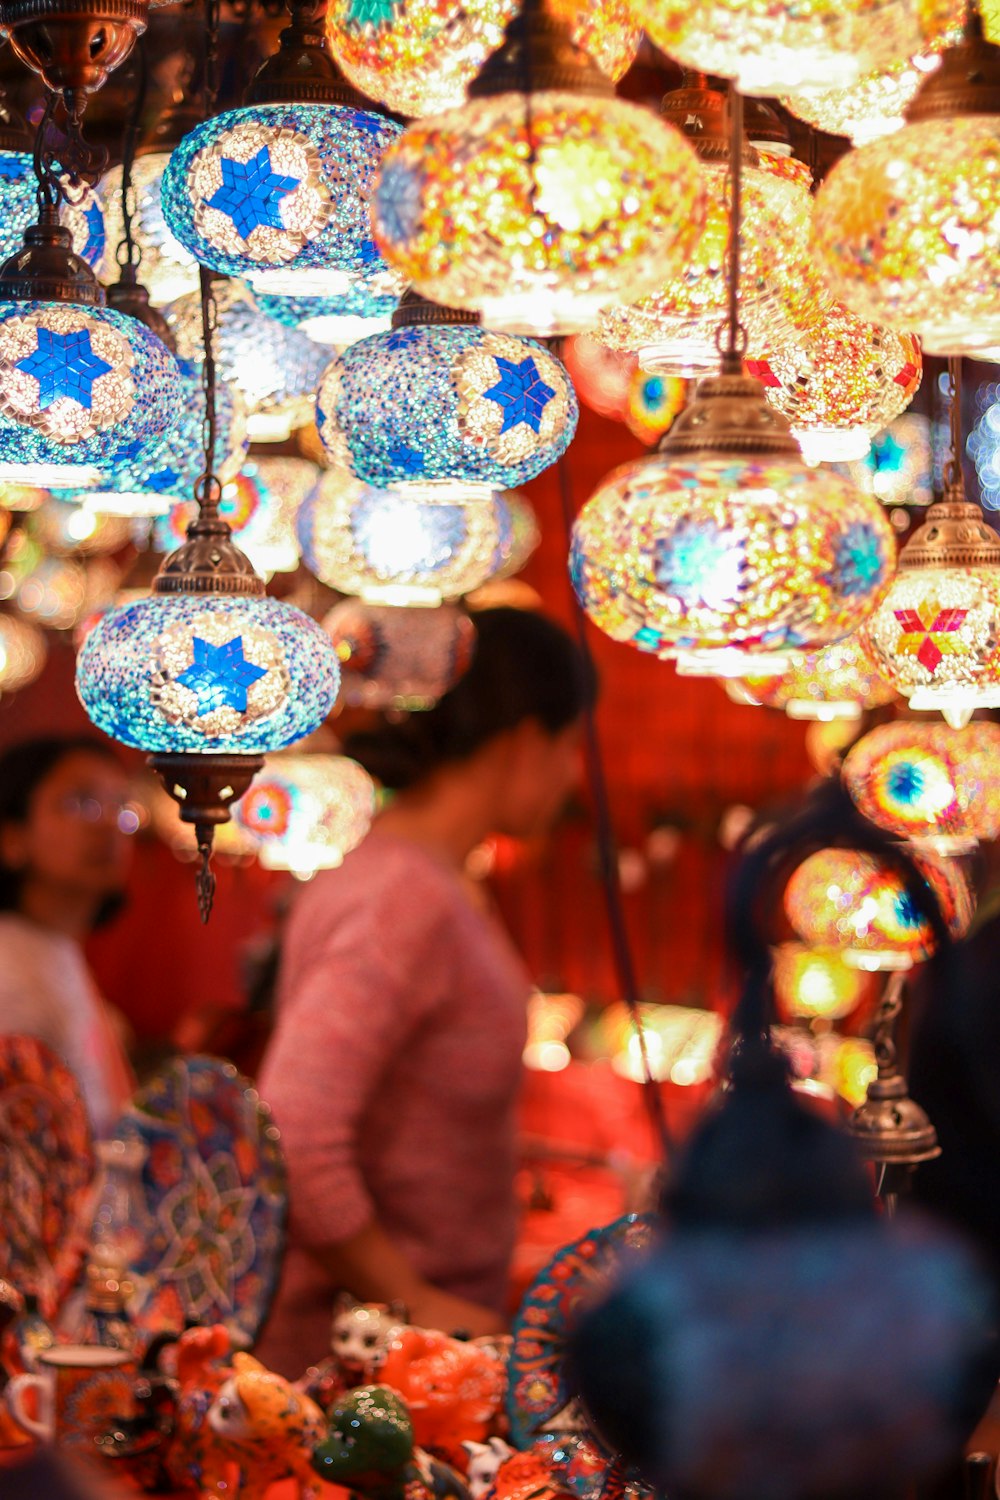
(621, 948)
(132, 253)
(735, 333)
(953, 468)
(48, 188)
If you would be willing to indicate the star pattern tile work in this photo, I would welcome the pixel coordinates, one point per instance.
(371, 13)
(520, 392)
(64, 364)
(251, 193)
(220, 675)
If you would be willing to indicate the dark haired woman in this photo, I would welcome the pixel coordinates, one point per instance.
(64, 860)
(394, 1068)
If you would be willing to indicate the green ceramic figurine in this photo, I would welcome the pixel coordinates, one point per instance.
(370, 1450)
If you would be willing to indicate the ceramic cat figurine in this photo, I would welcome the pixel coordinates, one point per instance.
(369, 1449)
(360, 1335)
(453, 1389)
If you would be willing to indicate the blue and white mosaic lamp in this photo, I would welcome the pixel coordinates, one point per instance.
(439, 402)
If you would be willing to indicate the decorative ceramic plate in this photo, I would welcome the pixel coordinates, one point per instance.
(46, 1166)
(214, 1199)
(543, 1413)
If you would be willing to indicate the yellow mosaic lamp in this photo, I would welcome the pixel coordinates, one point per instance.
(544, 197)
(418, 59)
(839, 682)
(905, 226)
(815, 984)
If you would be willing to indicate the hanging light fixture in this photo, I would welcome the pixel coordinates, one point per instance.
(770, 49)
(936, 633)
(393, 548)
(306, 812)
(169, 270)
(725, 545)
(841, 382)
(899, 466)
(937, 787)
(208, 672)
(588, 199)
(814, 984)
(848, 901)
(81, 210)
(278, 190)
(275, 369)
(839, 682)
(394, 657)
(904, 227)
(876, 104)
(419, 59)
(440, 402)
(674, 329)
(338, 321)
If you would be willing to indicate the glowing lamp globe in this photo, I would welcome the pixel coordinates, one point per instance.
(674, 329)
(342, 319)
(445, 403)
(419, 59)
(936, 633)
(269, 537)
(839, 682)
(847, 901)
(899, 466)
(279, 192)
(935, 786)
(904, 227)
(841, 382)
(391, 548)
(815, 984)
(654, 402)
(63, 526)
(305, 812)
(725, 544)
(80, 385)
(770, 49)
(22, 653)
(82, 212)
(398, 657)
(276, 369)
(588, 199)
(874, 106)
(148, 481)
(169, 270)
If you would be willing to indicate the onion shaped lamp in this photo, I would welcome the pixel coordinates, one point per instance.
(207, 673)
(305, 812)
(934, 786)
(725, 546)
(849, 901)
(905, 227)
(587, 199)
(399, 657)
(439, 402)
(278, 190)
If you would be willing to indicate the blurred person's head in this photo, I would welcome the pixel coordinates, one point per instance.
(509, 730)
(64, 826)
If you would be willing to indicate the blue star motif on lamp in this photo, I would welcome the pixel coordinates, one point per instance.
(521, 392)
(251, 193)
(888, 455)
(371, 13)
(400, 201)
(905, 782)
(220, 675)
(858, 560)
(64, 364)
(700, 564)
(408, 459)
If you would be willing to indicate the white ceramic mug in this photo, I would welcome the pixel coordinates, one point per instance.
(79, 1389)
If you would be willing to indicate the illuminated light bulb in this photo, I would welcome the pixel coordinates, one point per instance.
(783, 45)
(306, 812)
(848, 901)
(602, 203)
(841, 382)
(838, 682)
(904, 227)
(935, 786)
(393, 657)
(418, 59)
(815, 984)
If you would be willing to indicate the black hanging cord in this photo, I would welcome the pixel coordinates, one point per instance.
(132, 253)
(953, 468)
(48, 190)
(208, 490)
(735, 334)
(621, 948)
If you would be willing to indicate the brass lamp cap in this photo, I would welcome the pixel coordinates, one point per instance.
(891, 1127)
(415, 310)
(209, 562)
(127, 295)
(700, 111)
(47, 268)
(537, 53)
(954, 534)
(731, 416)
(966, 83)
(303, 71)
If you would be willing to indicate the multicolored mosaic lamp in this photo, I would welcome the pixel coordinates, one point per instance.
(278, 190)
(587, 199)
(841, 382)
(305, 812)
(208, 672)
(876, 105)
(771, 48)
(936, 633)
(905, 226)
(814, 984)
(724, 546)
(276, 369)
(935, 786)
(338, 321)
(899, 466)
(839, 682)
(440, 402)
(847, 901)
(398, 657)
(392, 548)
(419, 59)
(169, 270)
(675, 330)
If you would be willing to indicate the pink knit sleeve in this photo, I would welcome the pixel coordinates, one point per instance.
(347, 1008)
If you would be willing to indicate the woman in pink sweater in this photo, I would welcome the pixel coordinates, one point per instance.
(394, 1067)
